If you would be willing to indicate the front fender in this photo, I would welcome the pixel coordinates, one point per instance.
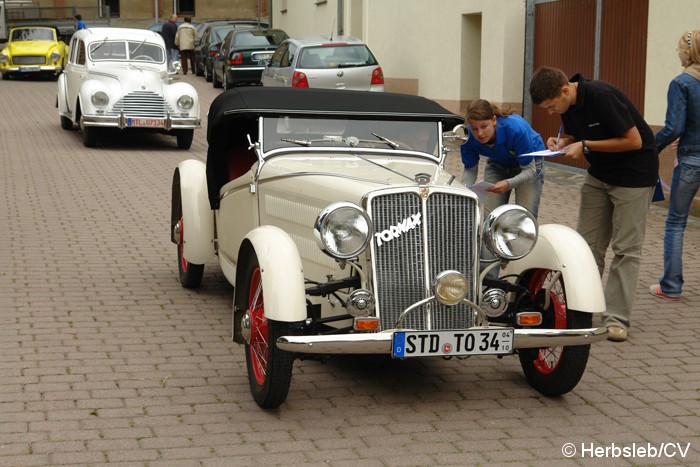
(62, 95)
(282, 274)
(190, 192)
(561, 248)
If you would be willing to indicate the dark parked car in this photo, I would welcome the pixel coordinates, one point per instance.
(243, 56)
(158, 27)
(207, 45)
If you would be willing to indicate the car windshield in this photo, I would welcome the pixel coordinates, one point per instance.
(138, 51)
(280, 132)
(33, 34)
(336, 56)
(258, 38)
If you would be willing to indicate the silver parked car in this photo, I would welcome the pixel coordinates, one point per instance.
(317, 62)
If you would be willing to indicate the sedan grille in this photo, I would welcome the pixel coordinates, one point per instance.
(408, 256)
(29, 60)
(143, 104)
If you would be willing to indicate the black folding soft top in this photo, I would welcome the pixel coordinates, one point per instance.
(234, 113)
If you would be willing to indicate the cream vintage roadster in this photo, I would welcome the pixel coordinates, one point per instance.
(332, 216)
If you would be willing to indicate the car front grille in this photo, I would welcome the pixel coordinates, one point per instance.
(405, 265)
(29, 60)
(143, 104)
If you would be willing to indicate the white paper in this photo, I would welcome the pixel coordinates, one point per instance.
(545, 153)
(479, 188)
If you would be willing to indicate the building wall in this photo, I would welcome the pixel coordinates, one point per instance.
(139, 13)
(452, 52)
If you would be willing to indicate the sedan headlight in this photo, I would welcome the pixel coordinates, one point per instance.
(185, 102)
(99, 99)
(342, 230)
(510, 232)
(4, 58)
(55, 56)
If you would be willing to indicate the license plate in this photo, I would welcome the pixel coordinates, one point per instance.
(478, 341)
(258, 57)
(25, 69)
(146, 122)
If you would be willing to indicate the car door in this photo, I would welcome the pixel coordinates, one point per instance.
(76, 71)
(279, 72)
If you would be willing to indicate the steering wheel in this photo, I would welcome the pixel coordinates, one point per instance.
(146, 58)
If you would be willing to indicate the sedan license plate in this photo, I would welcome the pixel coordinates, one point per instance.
(479, 341)
(146, 122)
(27, 69)
(259, 57)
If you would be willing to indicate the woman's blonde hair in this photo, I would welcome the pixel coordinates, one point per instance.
(691, 40)
(481, 109)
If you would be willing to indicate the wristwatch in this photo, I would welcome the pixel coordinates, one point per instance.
(586, 151)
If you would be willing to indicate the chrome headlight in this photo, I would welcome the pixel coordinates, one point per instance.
(185, 102)
(450, 287)
(99, 99)
(4, 58)
(342, 230)
(55, 56)
(510, 232)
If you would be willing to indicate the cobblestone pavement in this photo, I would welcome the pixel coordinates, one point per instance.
(106, 359)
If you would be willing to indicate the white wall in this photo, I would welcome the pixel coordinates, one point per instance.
(421, 40)
(668, 19)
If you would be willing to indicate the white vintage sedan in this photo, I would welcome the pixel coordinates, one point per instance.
(118, 78)
(332, 215)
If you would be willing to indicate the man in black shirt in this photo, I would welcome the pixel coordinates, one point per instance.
(605, 128)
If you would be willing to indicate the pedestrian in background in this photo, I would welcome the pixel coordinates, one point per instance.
(503, 138)
(168, 32)
(184, 41)
(682, 121)
(79, 23)
(608, 130)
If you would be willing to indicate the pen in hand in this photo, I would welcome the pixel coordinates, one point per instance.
(559, 137)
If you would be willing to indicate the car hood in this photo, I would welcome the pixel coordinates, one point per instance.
(30, 47)
(348, 177)
(134, 77)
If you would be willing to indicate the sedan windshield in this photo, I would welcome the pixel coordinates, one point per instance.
(258, 38)
(138, 51)
(360, 134)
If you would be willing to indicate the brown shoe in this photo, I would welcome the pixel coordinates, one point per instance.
(617, 333)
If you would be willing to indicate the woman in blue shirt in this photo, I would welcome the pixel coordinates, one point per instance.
(682, 121)
(502, 138)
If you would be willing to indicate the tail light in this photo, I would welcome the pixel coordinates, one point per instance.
(236, 59)
(214, 50)
(377, 76)
(299, 80)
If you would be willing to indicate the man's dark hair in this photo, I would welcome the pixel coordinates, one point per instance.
(547, 83)
(188, 19)
(78, 17)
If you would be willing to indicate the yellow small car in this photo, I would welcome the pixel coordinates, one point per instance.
(33, 51)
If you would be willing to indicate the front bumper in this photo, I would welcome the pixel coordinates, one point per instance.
(122, 121)
(32, 69)
(380, 343)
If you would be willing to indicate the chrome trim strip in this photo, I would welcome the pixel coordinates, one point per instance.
(324, 174)
(380, 343)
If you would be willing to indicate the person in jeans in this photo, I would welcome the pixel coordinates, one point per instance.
(602, 125)
(682, 121)
(503, 138)
(168, 32)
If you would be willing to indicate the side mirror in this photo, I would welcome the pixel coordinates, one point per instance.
(453, 139)
(175, 66)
